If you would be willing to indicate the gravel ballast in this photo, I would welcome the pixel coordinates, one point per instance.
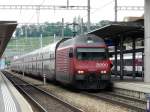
(86, 103)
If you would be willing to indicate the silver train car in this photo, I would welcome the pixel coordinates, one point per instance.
(32, 63)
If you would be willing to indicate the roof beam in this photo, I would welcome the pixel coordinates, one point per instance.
(43, 7)
(134, 8)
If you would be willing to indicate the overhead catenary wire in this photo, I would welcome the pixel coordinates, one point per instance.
(100, 8)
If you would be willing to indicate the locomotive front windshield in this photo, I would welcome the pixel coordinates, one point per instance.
(91, 53)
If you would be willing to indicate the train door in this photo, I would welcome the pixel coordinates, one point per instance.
(36, 65)
(50, 63)
(42, 69)
(71, 55)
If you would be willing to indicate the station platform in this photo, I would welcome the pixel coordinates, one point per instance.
(10, 99)
(132, 87)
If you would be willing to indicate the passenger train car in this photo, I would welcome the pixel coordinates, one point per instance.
(81, 61)
(128, 65)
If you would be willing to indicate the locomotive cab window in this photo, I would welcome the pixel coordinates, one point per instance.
(70, 53)
(91, 53)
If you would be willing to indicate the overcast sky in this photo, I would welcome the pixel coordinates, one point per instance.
(100, 10)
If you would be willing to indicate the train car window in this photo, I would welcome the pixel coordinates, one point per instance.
(70, 53)
(50, 56)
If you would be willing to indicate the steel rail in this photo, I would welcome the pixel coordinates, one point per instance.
(127, 97)
(70, 106)
(104, 97)
(40, 107)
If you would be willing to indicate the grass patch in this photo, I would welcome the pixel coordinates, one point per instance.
(22, 45)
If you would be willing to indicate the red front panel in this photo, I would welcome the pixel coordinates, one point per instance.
(92, 66)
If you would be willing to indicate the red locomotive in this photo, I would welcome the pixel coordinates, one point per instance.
(81, 61)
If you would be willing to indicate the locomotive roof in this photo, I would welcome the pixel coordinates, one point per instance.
(84, 40)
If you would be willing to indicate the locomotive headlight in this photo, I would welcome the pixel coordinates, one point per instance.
(80, 71)
(103, 72)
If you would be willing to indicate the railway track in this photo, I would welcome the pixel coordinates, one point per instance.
(121, 100)
(45, 101)
(118, 99)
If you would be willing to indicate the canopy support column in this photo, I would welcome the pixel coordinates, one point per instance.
(147, 42)
(115, 64)
(121, 59)
(133, 61)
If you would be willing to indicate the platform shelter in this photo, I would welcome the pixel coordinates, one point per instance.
(118, 33)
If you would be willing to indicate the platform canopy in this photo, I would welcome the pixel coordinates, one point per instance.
(116, 30)
(6, 30)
